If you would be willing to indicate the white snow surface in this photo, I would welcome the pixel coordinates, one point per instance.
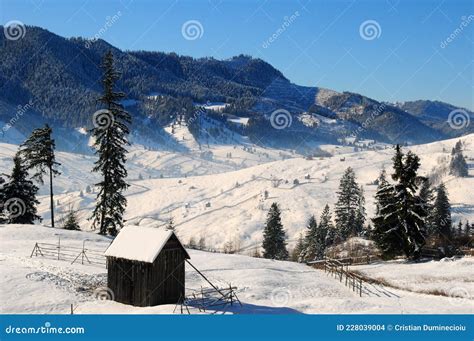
(139, 243)
(43, 285)
(222, 199)
(454, 277)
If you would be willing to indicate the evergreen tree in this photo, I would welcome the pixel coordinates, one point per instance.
(360, 214)
(170, 225)
(427, 197)
(296, 255)
(110, 133)
(2, 199)
(71, 222)
(442, 224)
(38, 153)
(19, 196)
(384, 232)
(468, 229)
(326, 228)
(460, 232)
(331, 236)
(274, 244)
(349, 214)
(310, 250)
(458, 165)
(400, 212)
(458, 147)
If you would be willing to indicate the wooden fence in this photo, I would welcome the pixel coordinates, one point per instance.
(358, 260)
(69, 253)
(338, 269)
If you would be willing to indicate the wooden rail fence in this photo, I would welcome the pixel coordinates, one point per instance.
(338, 269)
(69, 253)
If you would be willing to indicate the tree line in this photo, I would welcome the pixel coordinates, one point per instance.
(410, 214)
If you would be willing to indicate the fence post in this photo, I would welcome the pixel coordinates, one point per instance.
(59, 246)
(360, 284)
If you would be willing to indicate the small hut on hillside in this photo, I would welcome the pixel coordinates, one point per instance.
(145, 266)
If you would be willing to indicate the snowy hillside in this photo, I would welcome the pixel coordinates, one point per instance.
(45, 285)
(225, 203)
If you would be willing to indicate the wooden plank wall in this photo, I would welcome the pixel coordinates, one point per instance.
(145, 284)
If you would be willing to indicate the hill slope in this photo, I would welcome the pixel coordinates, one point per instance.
(57, 80)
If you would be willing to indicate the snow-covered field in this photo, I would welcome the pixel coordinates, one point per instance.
(450, 276)
(226, 205)
(40, 285)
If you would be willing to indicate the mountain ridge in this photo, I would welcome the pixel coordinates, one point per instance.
(60, 77)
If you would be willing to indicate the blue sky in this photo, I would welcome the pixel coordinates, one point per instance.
(409, 57)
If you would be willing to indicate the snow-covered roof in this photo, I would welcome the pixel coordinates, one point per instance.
(139, 243)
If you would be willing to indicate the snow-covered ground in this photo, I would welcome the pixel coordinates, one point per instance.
(226, 204)
(40, 285)
(450, 276)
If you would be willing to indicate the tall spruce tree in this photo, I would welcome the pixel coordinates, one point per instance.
(442, 223)
(19, 196)
(350, 215)
(38, 153)
(111, 137)
(327, 229)
(310, 250)
(384, 232)
(274, 237)
(400, 212)
(458, 165)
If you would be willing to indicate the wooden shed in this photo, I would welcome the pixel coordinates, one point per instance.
(145, 266)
